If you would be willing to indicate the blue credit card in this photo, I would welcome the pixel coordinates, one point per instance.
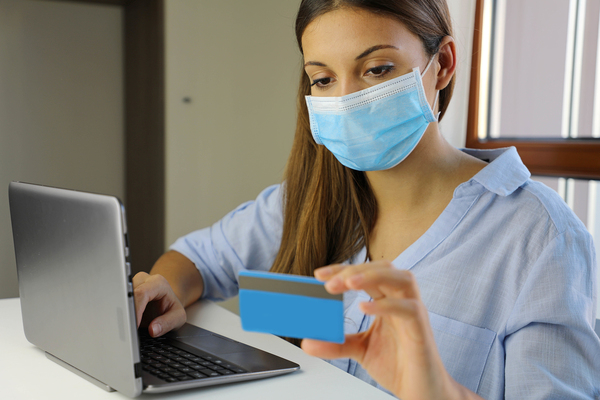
(291, 306)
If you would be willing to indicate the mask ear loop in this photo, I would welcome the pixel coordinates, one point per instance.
(428, 65)
(437, 96)
(437, 92)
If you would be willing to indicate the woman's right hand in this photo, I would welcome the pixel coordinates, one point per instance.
(156, 305)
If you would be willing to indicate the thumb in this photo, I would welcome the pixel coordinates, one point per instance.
(172, 319)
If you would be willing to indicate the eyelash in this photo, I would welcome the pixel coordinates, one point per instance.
(386, 69)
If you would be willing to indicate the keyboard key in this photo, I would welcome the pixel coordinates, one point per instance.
(208, 372)
(172, 364)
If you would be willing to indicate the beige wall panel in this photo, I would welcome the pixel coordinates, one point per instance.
(238, 64)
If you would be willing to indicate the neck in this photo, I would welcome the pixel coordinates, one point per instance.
(426, 177)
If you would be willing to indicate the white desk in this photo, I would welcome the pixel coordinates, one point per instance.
(26, 373)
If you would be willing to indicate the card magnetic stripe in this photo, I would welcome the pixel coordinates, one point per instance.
(286, 284)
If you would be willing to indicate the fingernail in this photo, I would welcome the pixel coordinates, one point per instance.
(323, 272)
(156, 329)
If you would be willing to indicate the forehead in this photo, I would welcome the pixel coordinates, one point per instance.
(349, 31)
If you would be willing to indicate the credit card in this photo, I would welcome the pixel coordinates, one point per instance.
(291, 306)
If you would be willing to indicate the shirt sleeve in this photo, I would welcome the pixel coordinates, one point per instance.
(552, 351)
(246, 238)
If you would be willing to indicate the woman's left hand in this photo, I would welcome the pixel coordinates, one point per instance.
(399, 349)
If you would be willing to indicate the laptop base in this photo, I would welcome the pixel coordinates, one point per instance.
(79, 372)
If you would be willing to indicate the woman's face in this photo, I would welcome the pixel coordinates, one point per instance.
(348, 50)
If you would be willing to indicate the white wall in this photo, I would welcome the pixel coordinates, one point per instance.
(61, 104)
(454, 124)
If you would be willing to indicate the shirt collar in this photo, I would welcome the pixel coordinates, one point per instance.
(505, 172)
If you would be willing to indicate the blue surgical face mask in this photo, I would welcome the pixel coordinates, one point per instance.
(376, 128)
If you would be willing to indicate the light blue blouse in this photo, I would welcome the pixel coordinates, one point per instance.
(507, 272)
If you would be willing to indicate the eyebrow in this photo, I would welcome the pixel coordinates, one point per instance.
(361, 55)
(375, 48)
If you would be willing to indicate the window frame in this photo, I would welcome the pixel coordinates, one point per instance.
(577, 158)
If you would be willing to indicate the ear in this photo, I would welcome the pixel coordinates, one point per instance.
(446, 61)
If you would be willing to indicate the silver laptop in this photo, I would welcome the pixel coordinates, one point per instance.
(77, 305)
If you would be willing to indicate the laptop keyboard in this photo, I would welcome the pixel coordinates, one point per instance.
(173, 364)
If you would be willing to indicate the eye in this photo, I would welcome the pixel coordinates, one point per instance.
(321, 83)
(380, 71)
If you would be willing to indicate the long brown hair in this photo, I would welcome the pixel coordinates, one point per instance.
(329, 209)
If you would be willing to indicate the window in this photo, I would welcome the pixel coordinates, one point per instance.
(535, 85)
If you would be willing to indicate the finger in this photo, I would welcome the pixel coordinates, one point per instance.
(353, 347)
(140, 306)
(339, 282)
(411, 312)
(152, 288)
(139, 278)
(174, 318)
(385, 282)
(141, 300)
(325, 273)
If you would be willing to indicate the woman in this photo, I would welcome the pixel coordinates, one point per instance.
(491, 291)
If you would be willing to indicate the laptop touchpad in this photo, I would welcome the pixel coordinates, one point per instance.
(215, 344)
